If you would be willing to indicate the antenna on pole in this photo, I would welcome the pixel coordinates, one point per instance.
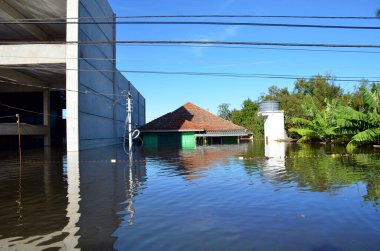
(132, 134)
(129, 112)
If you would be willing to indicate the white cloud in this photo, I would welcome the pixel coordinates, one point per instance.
(228, 32)
(242, 63)
(225, 5)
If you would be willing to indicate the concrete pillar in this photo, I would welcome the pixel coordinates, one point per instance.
(72, 76)
(46, 111)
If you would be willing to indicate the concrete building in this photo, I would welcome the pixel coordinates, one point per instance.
(274, 122)
(46, 68)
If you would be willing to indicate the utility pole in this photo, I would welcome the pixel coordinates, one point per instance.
(129, 112)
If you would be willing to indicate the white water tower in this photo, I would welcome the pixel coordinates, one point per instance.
(274, 123)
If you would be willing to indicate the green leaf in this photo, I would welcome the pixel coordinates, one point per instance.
(367, 136)
(301, 121)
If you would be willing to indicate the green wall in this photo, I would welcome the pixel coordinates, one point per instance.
(188, 140)
(185, 140)
(230, 140)
(150, 139)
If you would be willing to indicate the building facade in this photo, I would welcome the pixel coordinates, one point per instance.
(49, 65)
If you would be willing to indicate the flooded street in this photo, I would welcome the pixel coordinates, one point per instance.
(223, 197)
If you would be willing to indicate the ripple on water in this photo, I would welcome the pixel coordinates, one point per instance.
(206, 199)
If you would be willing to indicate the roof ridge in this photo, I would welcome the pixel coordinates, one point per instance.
(191, 116)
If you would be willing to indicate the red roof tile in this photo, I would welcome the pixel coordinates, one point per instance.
(190, 117)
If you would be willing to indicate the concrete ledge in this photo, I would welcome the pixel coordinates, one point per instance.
(24, 54)
(7, 129)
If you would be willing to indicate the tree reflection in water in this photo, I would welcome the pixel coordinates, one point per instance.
(318, 168)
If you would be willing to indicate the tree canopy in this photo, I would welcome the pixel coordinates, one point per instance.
(224, 111)
(318, 110)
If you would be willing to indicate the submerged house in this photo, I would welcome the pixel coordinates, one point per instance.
(188, 126)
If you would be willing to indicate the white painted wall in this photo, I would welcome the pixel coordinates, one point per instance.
(274, 125)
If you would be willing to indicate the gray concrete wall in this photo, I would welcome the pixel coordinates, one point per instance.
(101, 108)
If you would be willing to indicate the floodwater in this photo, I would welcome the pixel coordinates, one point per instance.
(225, 197)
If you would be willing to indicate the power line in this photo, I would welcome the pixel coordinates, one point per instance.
(29, 111)
(254, 48)
(34, 112)
(207, 46)
(200, 23)
(214, 74)
(40, 57)
(270, 76)
(15, 82)
(200, 16)
(247, 43)
(251, 16)
(4, 117)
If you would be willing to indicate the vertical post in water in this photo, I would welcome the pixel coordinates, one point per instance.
(18, 201)
(19, 135)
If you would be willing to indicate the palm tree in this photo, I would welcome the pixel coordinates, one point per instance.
(363, 126)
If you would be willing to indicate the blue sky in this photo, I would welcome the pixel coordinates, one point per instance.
(165, 93)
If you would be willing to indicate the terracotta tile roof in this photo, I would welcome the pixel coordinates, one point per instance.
(190, 117)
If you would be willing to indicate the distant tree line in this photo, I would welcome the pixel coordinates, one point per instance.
(318, 110)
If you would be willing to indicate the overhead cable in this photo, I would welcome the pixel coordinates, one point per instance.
(213, 74)
(254, 48)
(15, 82)
(247, 43)
(29, 111)
(199, 23)
(199, 16)
(206, 46)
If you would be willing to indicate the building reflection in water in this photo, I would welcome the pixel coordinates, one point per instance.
(86, 202)
(106, 190)
(73, 195)
(275, 158)
(193, 164)
(33, 213)
(72, 202)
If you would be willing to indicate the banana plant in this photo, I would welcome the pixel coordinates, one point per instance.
(317, 126)
(362, 126)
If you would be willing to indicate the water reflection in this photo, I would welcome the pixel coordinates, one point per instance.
(68, 201)
(246, 196)
(193, 164)
(318, 168)
(33, 200)
(106, 189)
